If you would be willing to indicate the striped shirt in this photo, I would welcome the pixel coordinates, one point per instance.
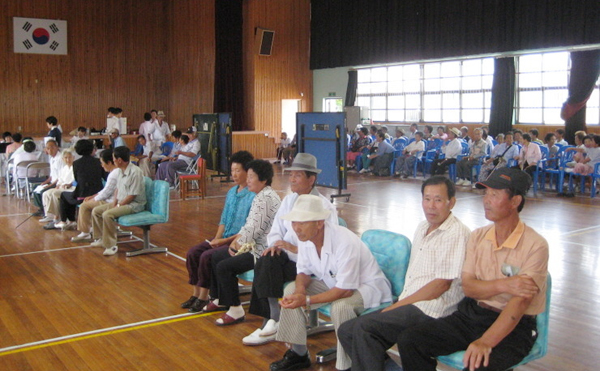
(259, 221)
(439, 255)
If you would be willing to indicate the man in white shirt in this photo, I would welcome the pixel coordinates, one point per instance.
(432, 288)
(56, 164)
(147, 128)
(451, 150)
(284, 142)
(278, 263)
(112, 121)
(116, 139)
(185, 155)
(334, 266)
(161, 131)
(411, 153)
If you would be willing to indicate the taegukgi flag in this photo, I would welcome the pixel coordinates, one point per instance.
(40, 36)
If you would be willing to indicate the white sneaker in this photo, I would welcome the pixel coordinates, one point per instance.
(363, 170)
(81, 237)
(60, 225)
(110, 251)
(97, 243)
(461, 182)
(255, 339)
(270, 328)
(46, 219)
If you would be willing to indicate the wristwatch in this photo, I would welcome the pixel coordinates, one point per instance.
(307, 302)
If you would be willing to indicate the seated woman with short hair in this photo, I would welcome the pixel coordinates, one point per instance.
(237, 205)
(251, 241)
(51, 198)
(88, 175)
(106, 195)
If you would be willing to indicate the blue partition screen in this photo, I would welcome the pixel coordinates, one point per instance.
(323, 135)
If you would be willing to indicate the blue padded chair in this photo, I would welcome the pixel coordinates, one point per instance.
(392, 253)
(540, 169)
(593, 176)
(540, 347)
(566, 157)
(156, 212)
(452, 167)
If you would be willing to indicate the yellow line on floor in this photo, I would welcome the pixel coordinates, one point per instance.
(95, 334)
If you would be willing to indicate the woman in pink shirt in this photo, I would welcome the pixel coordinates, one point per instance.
(530, 155)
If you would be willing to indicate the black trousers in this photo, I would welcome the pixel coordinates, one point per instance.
(367, 338)
(270, 275)
(68, 206)
(419, 344)
(439, 166)
(224, 281)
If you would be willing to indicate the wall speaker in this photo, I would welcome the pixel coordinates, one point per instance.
(264, 41)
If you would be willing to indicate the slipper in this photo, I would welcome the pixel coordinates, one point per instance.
(228, 320)
(212, 307)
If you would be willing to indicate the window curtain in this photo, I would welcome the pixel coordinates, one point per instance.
(585, 68)
(364, 32)
(503, 96)
(229, 78)
(351, 90)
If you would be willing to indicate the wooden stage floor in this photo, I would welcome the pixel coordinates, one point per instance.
(64, 306)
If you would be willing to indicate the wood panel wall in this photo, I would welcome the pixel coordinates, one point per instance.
(137, 55)
(256, 142)
(191, 60)
(283, 75)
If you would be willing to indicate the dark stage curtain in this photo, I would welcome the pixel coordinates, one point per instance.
(229, 81)
(585, 68)
(351, 90)
(362, 32)
(503, 96)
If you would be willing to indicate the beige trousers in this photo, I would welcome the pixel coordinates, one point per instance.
(51, 201)
(292, 324)
(104, 222)
(84, 219)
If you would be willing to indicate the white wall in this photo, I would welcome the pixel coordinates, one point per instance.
(326, 81)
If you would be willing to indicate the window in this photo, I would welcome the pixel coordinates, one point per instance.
(542, 88)
(333, 105)
(453, 91)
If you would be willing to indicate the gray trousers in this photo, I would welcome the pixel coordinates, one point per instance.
(367, 338)
(292, 325)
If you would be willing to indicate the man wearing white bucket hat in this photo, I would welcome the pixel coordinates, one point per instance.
(346, 276)
(278, 263)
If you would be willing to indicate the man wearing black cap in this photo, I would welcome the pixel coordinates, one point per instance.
(504, 280)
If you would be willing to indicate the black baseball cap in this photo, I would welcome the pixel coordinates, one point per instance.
(505, 178)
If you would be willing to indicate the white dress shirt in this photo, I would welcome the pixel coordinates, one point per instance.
(453, 149)
(282, 229)
(345, 263)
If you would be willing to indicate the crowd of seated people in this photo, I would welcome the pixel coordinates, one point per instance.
(259, 231)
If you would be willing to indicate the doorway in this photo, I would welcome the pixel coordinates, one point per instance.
(289, 108)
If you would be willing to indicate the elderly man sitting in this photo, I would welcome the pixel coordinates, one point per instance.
(345, 275)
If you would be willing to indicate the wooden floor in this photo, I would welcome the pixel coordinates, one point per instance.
(64, 306)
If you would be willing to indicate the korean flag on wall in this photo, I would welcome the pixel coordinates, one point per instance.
(40, 36)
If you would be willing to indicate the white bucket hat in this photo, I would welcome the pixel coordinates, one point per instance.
(305, 162)
(308, 208)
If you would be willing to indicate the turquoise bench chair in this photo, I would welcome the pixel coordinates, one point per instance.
(156, 212)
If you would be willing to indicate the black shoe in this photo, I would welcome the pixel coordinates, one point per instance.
(189, 302)
(38, 213)
(198, 305)
(291, 361)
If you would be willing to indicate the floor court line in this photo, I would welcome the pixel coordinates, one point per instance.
(579, 231)
(98, 333)
(54, 250)
(11, 215)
